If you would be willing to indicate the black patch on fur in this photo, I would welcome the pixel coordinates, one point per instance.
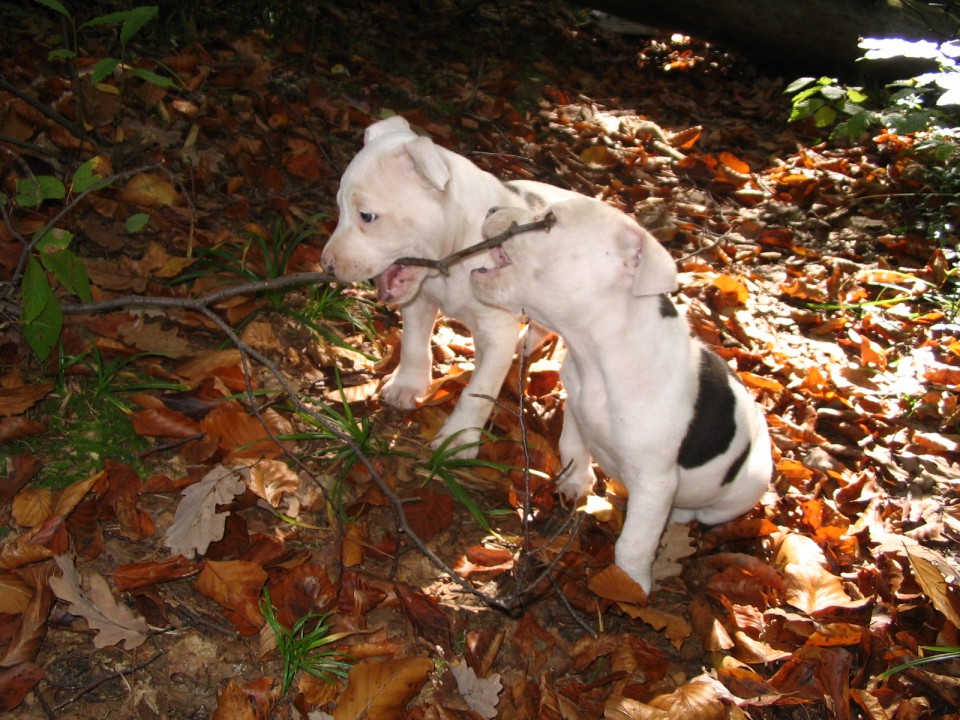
(713, 426)
(667, 308)
(737, 464)
(511, 188)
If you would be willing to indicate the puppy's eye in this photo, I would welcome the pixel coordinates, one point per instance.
(368, 217)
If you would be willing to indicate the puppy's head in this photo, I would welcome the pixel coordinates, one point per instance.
(592, 253)
(391, 206)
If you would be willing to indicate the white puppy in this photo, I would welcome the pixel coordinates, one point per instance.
(651, 404)
(404, 196)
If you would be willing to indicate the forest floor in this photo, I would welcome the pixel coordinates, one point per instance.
(155, 478)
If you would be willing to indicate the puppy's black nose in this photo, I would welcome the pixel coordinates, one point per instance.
(492, 210)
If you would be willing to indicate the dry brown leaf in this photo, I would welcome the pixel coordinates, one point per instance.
(16, 682)
(809, 586)
(22, 551)
(17, 400)
(197, 523)
(113, 623)
(32, 506)
(209, 364)
(271, 480)
(149, 189)
(241, 434)
(68, 498)
(619, 707)
(694, 700)
(19, 427)
(164, 422)
(676, 543)
(236, 585)
(934, 585)
(14, 593)
(613, 583)
(380, 689)
(25, 644)
(676, 628)
(233, 704)
(480, 694)
(154, 338)
(354, 540)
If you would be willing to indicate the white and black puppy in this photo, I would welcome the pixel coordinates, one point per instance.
(651, 404)
(404, 196)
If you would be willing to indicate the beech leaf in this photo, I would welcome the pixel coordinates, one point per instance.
(380, 689)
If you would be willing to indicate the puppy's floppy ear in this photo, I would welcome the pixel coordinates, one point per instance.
(429, 162)
(394, 123)
(655, 271)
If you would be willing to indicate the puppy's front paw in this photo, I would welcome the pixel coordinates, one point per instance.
(468, 439)
(403, 391)
(643, 576)
(577, 481)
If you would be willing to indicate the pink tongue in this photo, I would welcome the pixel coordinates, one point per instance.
(384, 280)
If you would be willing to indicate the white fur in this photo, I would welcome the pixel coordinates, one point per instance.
(404, 196)
(632, 371)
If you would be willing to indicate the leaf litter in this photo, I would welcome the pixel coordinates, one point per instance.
(791, 265)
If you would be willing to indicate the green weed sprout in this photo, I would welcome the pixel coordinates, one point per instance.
(444, 463)
(302, 646)
(942, 654)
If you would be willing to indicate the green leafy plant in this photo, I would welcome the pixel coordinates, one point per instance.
(256, 257)
(49, 254)
(825, 100)
(81, 433)
(334, 303)
(302, 647)
(445, 463)
(115, 376)
(910, 105)
(129, 22)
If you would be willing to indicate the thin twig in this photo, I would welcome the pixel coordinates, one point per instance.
(40, 107)
(253, 288)
(570, 609)
(444, 264)
(90, 687)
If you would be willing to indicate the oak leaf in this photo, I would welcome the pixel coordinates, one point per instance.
(480, 694)
(197, 523)
(113, 622)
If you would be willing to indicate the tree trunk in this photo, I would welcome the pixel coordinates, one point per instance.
(811, 36)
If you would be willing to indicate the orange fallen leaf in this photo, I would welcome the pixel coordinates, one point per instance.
(17, 400)
(150, 189)
(235, 585)
(233, 704)
(381, 689)
(613, 583)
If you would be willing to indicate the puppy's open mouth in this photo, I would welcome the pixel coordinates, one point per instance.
(500, 259)
(392, 283)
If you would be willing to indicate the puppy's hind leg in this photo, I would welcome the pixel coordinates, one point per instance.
(648, 508)
(578, 477)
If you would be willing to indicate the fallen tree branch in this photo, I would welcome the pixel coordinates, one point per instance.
(443, 265)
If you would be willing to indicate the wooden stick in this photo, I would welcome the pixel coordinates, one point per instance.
(444, 264)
